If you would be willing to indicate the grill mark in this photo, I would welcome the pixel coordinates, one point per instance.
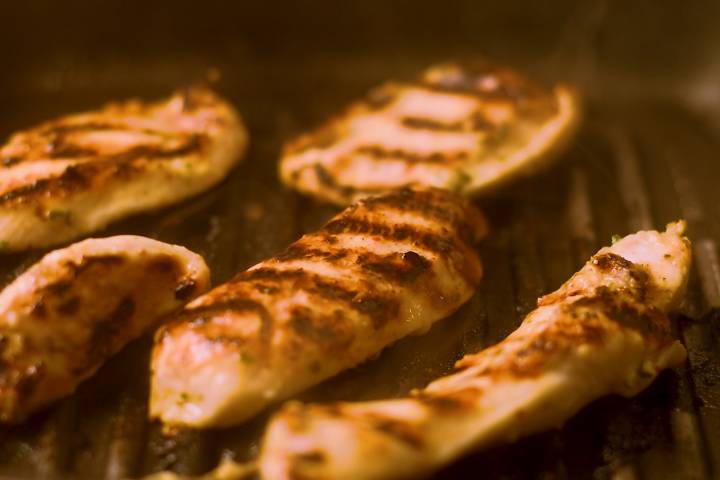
(402, 432)
(440, 206)
(73, 177)
(81, 175)
(58, 131)
(331, 290)
(200, 315)
(311, 456)
(10, 161)
(328, 334)
(103, 336)
(409, 269)
(25, 190)
(382, 153)
(467, 91)
(611, 262)
(395, 267)
(474, 123)
(204, 313)
(587, 323)
(648, 322)
(60, 286)
(64, 128)
(192, 144)
(38, 309)
(69, 306)
(434, 242)
(328, 180)
(479, 123)
(419, 123)
(529, 358)
(584, 321)
(298, 251)
(266, 273)
(380, 308)
(585, 328)
(73, 270)
(59, 149)
(165, 265)
(56, 185)
(449, 402)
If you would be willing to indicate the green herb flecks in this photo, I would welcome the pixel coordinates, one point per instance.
(458, 181)
(184, 398)
(59, 215)
(246, 358)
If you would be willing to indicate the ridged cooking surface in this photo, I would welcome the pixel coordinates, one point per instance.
(636, 164)
(628, 171)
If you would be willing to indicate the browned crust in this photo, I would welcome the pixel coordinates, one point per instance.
(89, 344)
(95, 168)
(487, 84)
(587, 318)
(97, 173)
(371, 289)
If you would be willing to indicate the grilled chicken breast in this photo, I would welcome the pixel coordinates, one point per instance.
(461, 127)
(605, 331)
(66, 315)
(384, 268)
(76, 174)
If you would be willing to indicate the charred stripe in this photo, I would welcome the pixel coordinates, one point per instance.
(80, 176)
(380, 308)
(474, 123)
(200, 315)
(437, 205)
(395, 267)
(432, 241)
(403, 432)
(382, 153)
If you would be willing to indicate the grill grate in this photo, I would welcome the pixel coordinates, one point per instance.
(615, 181)
(634, 167)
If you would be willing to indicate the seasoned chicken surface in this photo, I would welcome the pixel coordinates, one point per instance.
(76, 174)
(67, 314)
(463, 127)
(384, 268)
(603, 332)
